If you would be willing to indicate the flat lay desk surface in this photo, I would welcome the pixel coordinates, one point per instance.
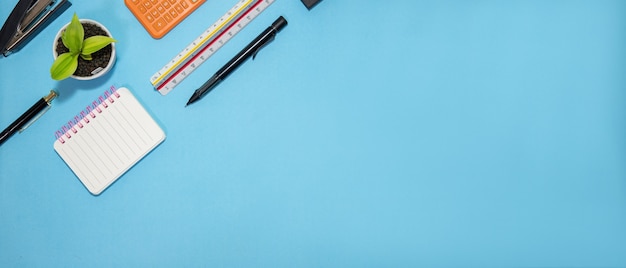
(369, 133)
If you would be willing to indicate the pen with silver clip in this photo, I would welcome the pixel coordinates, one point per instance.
(28, 117)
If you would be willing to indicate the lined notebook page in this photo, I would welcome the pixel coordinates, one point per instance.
(102, 148)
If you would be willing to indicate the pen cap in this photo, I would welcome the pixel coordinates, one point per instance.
(279, 23)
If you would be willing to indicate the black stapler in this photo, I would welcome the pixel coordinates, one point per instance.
(26, 20)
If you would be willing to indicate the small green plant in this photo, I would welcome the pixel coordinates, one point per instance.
(74, 39)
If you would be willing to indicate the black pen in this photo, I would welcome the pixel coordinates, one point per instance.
(28, 117)
(249, 51)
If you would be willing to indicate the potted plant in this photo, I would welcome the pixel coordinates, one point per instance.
(83, 49)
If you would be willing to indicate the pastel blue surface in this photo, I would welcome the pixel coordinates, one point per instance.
(369, 133)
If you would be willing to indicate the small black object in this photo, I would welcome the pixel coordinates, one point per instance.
(28, 117)
(249, 51)
(310, 3)
(10, 26)
(26, 20)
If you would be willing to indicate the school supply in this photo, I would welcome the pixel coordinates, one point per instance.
(160, 16)
(106, 139)
(26, 20)
(205, 45)
(28, 117)
(250, 51)
(310, 3)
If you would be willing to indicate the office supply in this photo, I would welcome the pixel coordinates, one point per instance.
(27, 19)
(26, 119)
(212, 39)
(159, 17)
(249, 51)
(107, 138)
(310, 3)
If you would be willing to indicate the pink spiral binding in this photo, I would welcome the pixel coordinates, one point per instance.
(78, 123)
(82, 119)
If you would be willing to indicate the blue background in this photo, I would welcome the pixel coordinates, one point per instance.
(370, 133)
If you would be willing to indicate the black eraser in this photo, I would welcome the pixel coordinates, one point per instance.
(310, 3)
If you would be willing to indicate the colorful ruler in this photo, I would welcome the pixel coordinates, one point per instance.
(212, 39)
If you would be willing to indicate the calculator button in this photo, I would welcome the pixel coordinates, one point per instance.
(160, 16)
(167, 17)
(159, 24)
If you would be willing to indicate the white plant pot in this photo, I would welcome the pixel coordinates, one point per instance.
(97, 72)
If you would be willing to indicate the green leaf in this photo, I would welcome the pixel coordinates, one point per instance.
(64, 66)
(95, 43)
(86, 57)
(74, 35)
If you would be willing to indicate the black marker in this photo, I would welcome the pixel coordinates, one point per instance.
(249, 51)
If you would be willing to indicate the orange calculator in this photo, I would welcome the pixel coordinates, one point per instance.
(160, 16)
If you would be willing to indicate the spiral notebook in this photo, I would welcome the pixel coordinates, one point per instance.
(106, 139)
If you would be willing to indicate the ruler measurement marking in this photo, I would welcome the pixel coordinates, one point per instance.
(214, 29)
(192, 60)
(207, 50)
